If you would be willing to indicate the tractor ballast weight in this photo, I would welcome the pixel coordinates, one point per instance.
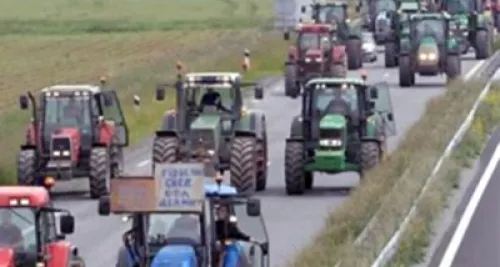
(76, 131)
(235, 141)
(472, 24)
(336, 13)
(343, 126)
(428, 49)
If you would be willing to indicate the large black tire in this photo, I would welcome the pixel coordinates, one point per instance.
(354, 54)
(406, 73)
(291, 87)
(117, 162)
(295, 178)
(243, 165)
(453, 67)
(26, 167)
(483, 44)
(262, 165)
(165, 149)
(370, 155)
(390, 55)
(100, 172)
(309, 176)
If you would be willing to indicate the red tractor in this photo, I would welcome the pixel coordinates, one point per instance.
(318, 52)
(28, 210)
(76, 131)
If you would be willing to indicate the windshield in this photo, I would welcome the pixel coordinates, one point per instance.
(325, 96)
(458, 6)
(328, 14)
(195, 95)
(385, 5)
(17, 229)
(309, 40)
(68, 111)
(431, 27)
(164, 226)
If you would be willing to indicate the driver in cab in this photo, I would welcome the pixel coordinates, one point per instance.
(225, 228)
(10, 234)
(212, 98)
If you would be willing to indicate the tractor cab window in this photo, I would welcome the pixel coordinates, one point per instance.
(385, 5)
(458, 6)
(66, 111)
(164, 226)
(346, 93)
(331, 13)
(430, 27)
(17, 230)
(195, 95)
(310, 40)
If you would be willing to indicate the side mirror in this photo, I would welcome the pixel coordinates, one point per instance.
(108, 99)
(374, 93)
(137, 100)
(23, 102)
(303, 9)
(258, 92)
(67, 224)
(390, 117)
(253, 207)
(160, 93)
(104, 206)
(286, 36)
(264, 247)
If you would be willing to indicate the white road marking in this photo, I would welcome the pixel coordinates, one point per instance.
(474, 69)
(454, 245)
(143, 163)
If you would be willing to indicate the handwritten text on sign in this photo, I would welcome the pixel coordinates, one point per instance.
(180, 187)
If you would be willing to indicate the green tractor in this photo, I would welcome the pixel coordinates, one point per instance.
(428, 48)
(349, 33)
(343, 126)
(226, 134)
(400, 26)
(473, 26)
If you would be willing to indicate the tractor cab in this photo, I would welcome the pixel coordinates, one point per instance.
(70, 124)
(173, 220)
(332, 13)
(27, 210)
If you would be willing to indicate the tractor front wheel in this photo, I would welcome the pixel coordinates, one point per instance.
(483, 44)
(243, 165)
(100, 172)
(453, 67)
(164, 150)
(406, 72)
(390, 55)
(370, 155)
(291, 87)
(295, 178)
(354, 54)
(26, 165)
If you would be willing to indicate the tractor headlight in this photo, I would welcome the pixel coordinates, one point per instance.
(318, 59)
(56, 153)
(307, 60)
(66, 153)
(211, 152)
(431, 56)
(330, 142)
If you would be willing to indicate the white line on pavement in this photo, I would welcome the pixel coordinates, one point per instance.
(474, 69)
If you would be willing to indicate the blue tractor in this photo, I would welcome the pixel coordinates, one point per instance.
(184, 236)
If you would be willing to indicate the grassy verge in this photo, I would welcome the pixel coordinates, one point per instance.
(416, 238)
(52, 52)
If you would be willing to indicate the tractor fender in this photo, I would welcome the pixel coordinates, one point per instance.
(296, 127)
(28, 147)
(61, 253)
(338, 53)
(251, 124)
(106, 132)
(169, 121)
(292, 53)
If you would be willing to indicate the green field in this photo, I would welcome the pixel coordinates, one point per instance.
(135, 43)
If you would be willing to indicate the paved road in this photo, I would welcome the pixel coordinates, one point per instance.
(474, 238)
(291, 221)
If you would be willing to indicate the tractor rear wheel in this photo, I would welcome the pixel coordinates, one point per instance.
(354, 54)
(26, 165)
(370, 155)
(453, 67)
(406, 73)
(390, 55)
(295, 178)
(100, 171)
(164, 150)
(483, 44)
(262, 164)
(243, 165)
(291, 87)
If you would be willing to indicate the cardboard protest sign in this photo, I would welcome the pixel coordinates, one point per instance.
(132, 194)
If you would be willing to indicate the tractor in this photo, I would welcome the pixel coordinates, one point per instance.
(343, 127)
(428, 48)
(377, 15)
(233, 139)
(400, 25)
(347, 32)
(30, 210)
(494, 6)
(472, 25)
(317, 53)
(76, 131)
(179, 228)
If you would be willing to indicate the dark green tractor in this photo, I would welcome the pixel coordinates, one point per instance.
(349, 33)
(233, 138)
(343, 127)
(472, 25)
(400, 25)
(428, 49)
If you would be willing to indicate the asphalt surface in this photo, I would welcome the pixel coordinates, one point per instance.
(473, 238)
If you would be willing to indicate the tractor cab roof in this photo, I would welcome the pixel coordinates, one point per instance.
(23, 196)
(426, 16)
(347, 80)
(212, 79)
(332, 3)
(68, 88)
(314, 28)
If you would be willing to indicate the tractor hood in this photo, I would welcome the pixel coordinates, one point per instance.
(71, 133)
(206, 121)
(332, 121)
(6, 257)
(175, 255)
(313, 53)
(59, 141)
(461, 20)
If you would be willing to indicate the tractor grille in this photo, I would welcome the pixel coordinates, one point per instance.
(331, 133)
(203, 140)
(61, 147)
(331, 139)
